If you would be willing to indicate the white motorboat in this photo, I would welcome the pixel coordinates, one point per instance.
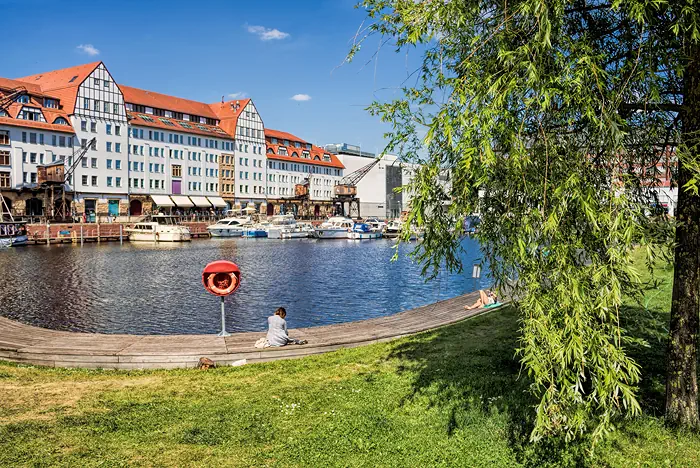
(393, 229)
(161, 228)
(336, 227)
(257, 230)
(300, 231)
(281, 224)
(229, 227)
(13, 233)
(362, 231)
(375, 224)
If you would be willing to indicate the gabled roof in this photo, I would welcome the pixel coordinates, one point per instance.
(315, 151)
(36, 101)
(175, 125)
(280, 135)
(163, 101)
(7, 84)
(63, 84)
(228, 113)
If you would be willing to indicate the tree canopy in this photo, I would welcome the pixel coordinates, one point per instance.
(551, 120)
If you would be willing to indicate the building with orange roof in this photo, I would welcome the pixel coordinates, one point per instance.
(292, 161)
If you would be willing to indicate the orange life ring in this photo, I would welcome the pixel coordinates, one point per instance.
(217, 287)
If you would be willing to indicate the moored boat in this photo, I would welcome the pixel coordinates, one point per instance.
(229, 227)
(300, 231)
(13, 233)
(336, 227)
(362, 231)
(161, 228)
(281, 224)
(257, 230)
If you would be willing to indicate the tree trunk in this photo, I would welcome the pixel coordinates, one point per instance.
(681, 383)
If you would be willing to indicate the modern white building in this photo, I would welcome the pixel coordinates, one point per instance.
(376, 190)
(291, 161)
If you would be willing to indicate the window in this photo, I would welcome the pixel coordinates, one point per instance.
(60, 121)
(84, 162)
(109, 182)
(96, 105)
(117, 147)
(117, 130)
(108, 129)
(83, 125)
(62, 141)
(4, 138)
(86, 105)
(109, 146)
(93, 164)
(106, 107)
(115, 109)
(4, 158)
(177, 170)
(85, 180)
(94, 144)
(93, 127)
(4, 179)
(109, 164)
(24, 99)
(105, 83)
(94, 181)
(32, 158)
(96, 81)
(32, 137)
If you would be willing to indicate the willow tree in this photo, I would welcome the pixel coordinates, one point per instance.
(551, 120)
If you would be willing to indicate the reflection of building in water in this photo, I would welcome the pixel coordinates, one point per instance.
(376, 191)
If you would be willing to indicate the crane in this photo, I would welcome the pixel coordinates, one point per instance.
(8, 99)
(346, 191)
(302, 195)
(54, 179)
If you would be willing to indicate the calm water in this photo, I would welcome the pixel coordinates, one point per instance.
(156, 288)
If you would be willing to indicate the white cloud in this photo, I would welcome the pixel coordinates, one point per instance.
(301, 97)
(238, 95)
(267, 34)
(88, 49)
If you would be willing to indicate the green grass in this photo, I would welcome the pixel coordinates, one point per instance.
(451, 397)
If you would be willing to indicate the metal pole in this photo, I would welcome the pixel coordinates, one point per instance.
(81, 235)
(223, 319)
(121, 241)
(48, 233)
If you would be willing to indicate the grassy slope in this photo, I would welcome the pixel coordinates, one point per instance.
(452, 397)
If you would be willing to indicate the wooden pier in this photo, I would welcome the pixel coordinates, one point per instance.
(33, 345)
(77, 233)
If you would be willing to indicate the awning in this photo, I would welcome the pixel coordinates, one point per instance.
(201, 202)
(182, 201)
(218, 202)
(162, 200)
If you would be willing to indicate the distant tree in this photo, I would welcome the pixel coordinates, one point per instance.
(550, 118)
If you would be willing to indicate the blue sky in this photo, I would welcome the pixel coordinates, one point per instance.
(267, 50)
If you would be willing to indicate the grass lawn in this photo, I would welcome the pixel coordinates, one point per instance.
(451, 397)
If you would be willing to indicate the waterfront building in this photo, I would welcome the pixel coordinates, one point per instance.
(376, 190)
(291, 161)
(34, 129)
(94, 103)
(175, 148)
(243, 175)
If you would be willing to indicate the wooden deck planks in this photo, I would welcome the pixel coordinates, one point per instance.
(33, 345)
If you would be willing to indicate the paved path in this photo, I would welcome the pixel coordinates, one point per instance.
(32, 345)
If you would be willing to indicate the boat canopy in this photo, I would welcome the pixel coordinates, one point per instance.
(182, 201)
(162, 200)
(201, 202)
(218, 202)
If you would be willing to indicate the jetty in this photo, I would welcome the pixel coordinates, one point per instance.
(28, 344)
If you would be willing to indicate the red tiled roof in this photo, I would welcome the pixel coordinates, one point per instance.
(270, 133)
(34, 124)
(63, 83)
(6, 83)
(228, 113)
(163, 101)
(136, 118)
(315, 151)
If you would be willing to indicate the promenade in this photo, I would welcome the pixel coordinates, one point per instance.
(33, 345)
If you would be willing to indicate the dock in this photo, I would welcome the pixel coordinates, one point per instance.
(39, 346)
(77, 233)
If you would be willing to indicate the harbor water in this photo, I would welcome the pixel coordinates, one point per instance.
(147, 288)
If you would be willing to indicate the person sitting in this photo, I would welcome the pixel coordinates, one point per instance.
(277, 330)
(486, 299)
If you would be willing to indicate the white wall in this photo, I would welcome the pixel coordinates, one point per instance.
(250, 160)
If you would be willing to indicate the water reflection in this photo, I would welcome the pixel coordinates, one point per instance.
(156, 288)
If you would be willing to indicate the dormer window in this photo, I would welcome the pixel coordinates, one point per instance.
(327, 157)
(273, 141)
(286, 142)
(30, 113)
(52, 103)
(60, 121)
(282, 151)
(297, 144)
(306, 155)
(24, 99)
(294, 154)
(270, 151)
(308, 146)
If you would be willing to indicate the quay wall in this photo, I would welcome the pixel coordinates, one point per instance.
(93, 232)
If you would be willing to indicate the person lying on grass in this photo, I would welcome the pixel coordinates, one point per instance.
(487, 299)
(277, 330)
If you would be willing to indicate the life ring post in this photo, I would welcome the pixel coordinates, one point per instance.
(223, 331)
(221, 278)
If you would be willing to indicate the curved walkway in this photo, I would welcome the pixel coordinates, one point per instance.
(33, 345)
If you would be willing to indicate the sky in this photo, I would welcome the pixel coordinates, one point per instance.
(287, 55)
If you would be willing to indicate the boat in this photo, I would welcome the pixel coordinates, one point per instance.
(300, 231)
(257, 230)
(393, 229)
(336, 227)
(13, 233)
(375, 224)
(280, 224)
(229, 227)
(161, 228)
(361, 231)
